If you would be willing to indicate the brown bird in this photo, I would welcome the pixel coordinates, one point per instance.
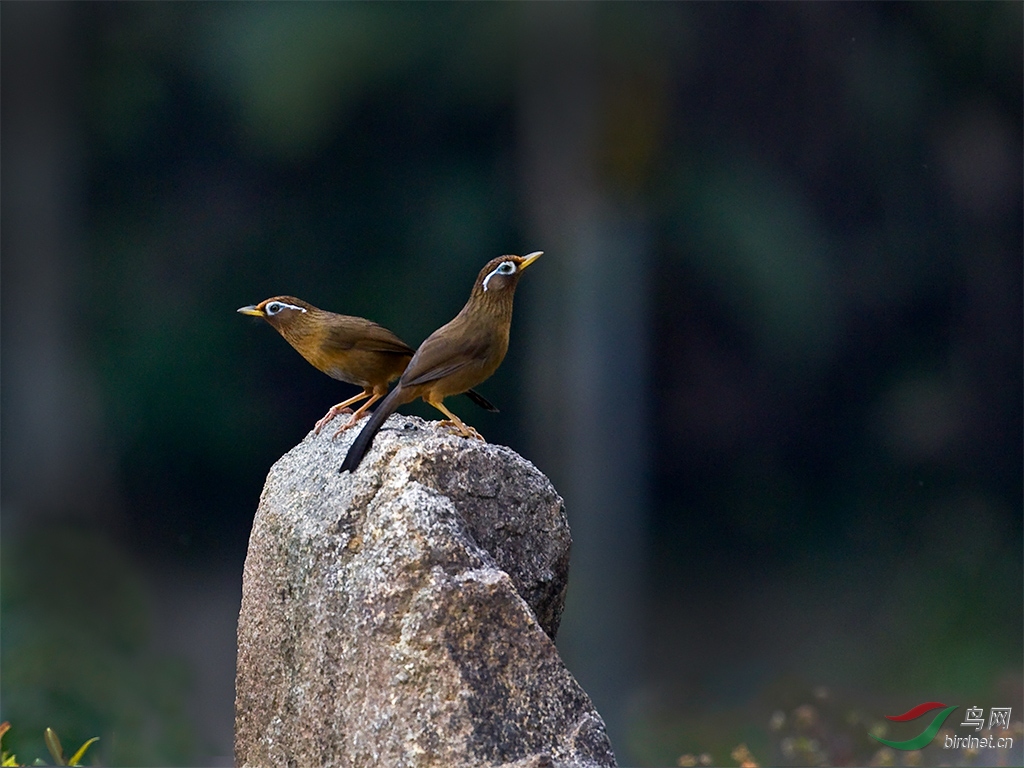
(457, 356)
(350, 349)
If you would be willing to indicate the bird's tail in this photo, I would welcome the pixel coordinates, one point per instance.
(365, 437)
(480, 400)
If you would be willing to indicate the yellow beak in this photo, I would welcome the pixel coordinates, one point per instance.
(527, 261)
(251, 310)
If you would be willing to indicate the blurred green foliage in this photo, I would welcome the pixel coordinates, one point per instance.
(53, 745)
(78, 654)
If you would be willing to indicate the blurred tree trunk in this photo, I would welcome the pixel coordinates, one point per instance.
(52, 461)
(588, 354)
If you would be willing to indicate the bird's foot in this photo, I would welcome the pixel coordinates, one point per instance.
(328, 417)
(350, 423)
(463, 429)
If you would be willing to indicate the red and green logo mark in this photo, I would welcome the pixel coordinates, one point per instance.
(927, 734)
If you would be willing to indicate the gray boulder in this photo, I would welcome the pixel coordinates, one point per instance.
(405, 615)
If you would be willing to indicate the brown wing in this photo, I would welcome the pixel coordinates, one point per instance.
(443, 353)
(359, 333)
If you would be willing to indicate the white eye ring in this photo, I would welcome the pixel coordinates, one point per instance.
(505, 268)
(275, 307)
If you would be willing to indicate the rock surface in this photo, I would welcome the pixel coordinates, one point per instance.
(405, 615)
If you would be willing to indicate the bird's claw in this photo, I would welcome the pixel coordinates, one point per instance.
(328, 417)
(462, 429)
(348, 424)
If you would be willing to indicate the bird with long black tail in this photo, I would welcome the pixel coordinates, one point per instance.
(350, 349)
(457, 356)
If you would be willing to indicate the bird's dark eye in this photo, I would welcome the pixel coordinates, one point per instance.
(505, 268)
(276, 307)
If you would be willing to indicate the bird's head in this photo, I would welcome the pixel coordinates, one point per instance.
(499, 276)
(281, 311)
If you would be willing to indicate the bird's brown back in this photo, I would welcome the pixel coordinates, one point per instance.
(468, 349)
(458, 355)
(347, 348)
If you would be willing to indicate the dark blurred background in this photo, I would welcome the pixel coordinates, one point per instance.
(772, 357)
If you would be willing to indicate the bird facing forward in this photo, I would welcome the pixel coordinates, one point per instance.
(457, 356)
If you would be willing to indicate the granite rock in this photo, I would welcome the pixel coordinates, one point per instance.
(405, 615)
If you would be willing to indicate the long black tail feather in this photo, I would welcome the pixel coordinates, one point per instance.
(365, 437)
